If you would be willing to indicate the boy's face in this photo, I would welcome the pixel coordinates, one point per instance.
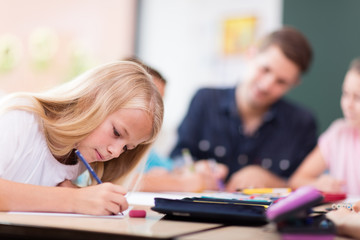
(350, 98)
(123, 130)
(270, 77)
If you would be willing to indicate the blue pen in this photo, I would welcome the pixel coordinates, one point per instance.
(88, 166)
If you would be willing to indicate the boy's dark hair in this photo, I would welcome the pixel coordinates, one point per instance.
(153, 72)
(355, 65)
(292, 43)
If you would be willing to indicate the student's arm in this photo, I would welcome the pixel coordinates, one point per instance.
(253, 176)
(310, 172)
(347, 222)
(102, 199)
(202, 177)
(159, 179)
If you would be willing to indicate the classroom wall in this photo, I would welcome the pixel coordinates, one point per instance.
(46, 42)
(332, 27)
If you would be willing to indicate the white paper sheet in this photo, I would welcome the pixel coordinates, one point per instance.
(120, 215)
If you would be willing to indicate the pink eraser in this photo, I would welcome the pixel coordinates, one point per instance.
(137, 213)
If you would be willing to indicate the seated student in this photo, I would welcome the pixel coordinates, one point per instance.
(111, 114)
(338, 147)
(261, 137)
(160, 174)
(347, 222)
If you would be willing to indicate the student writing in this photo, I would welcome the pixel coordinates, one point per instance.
(111, 114)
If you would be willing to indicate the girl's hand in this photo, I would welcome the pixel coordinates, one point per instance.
(326, 183)
(102, 199)
(356, 206)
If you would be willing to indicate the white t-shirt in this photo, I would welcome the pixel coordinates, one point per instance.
(25, 156)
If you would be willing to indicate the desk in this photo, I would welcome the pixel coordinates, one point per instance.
(267, 232)
(23, 226)
(16, 226)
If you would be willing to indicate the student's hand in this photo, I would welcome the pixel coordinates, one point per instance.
(192, 182)
(339, 218)
(102, 199)
(356, 206)
(253, 177)
(346, 222)
(211, 173)
(326, 183)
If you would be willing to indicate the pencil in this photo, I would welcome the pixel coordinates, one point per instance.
(219, 182)
(188, 160)
(88, 166)
(250, 191)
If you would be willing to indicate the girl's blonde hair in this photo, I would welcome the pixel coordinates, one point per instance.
(71, 111)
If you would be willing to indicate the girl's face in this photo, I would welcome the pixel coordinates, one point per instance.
(121, 131)
(350, 99)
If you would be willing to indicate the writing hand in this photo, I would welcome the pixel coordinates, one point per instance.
(212, 173)
(102, 199)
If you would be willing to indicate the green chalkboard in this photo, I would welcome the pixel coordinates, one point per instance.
(333, 28)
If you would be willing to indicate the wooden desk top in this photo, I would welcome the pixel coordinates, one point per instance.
(267, 232)
(25, 226)
(64, 227)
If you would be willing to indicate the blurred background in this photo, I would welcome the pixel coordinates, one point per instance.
(193, 43)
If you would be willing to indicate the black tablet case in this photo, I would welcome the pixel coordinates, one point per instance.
(234, 212)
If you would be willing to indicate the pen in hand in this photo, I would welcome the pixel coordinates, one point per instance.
(188, 160)
(219, 182)
(87, 165)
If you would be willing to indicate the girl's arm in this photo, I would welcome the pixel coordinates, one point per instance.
(347, 222)
(103, 199)
(310, 172)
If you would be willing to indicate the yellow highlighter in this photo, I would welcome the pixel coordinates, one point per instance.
(250, 191)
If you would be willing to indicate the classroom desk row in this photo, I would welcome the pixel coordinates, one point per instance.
(30, 226)
(23, 226)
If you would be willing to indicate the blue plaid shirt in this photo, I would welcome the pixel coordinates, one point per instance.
(213, 129)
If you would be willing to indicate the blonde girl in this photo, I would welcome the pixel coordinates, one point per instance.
(111, 114)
